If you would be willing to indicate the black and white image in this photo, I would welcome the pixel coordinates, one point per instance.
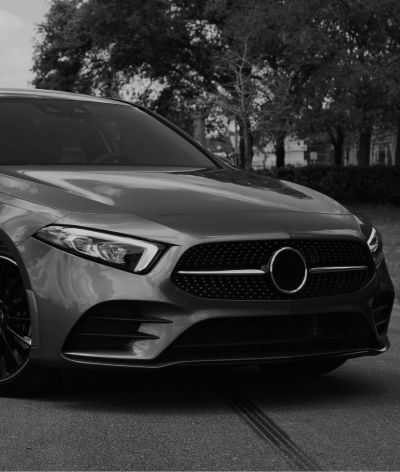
(199, 234)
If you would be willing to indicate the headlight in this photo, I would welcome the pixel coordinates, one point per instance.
(375, 241)
(371, 235)
(132, 255)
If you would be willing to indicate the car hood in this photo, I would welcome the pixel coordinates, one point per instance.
(149, 193)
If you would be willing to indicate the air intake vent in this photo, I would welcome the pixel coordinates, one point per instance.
(109, 326)
(382, 307)
(272, 336)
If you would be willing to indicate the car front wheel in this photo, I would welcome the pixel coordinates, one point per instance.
(17, 375)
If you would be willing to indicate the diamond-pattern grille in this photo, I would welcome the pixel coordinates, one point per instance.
(255, 254)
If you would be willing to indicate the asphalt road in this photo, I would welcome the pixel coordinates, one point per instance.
(211, 420)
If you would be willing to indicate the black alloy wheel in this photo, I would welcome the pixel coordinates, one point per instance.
(17, 376)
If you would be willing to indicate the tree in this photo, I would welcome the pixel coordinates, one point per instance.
(277, 67)
(295, 49)
(238, 85)
(254, 51)
(101, 46)
(271, 52)
(355, 85)
(59, 57)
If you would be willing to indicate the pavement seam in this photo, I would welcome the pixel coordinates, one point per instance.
(270, 431)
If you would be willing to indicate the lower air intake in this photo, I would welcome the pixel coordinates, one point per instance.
(272, 336)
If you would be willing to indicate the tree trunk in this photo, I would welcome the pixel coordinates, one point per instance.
(280, 151)
(246, 146)
(199, 128)
(397, 153)
(338, 142)
(364, 147)
(242, 159)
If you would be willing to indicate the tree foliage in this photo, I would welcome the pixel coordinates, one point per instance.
(277, 67)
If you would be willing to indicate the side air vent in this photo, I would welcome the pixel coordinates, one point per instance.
(382, 307)
(109, 326)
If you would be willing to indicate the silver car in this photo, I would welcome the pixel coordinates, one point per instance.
(125, 244)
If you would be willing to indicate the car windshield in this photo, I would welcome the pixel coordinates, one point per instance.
(68, 132)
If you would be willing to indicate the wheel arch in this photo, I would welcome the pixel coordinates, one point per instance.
(7, 245)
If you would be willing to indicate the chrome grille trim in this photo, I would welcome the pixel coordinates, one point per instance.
(323, 270)
(313, 270)
(223, 272)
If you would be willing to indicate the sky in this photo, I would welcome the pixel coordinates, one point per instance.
(17, 30)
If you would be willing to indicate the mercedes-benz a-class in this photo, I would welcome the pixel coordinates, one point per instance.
(126, 244)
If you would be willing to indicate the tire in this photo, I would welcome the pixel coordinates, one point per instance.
(17, 374)
(301, 369)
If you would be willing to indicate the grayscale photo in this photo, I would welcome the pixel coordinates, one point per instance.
(199, 235)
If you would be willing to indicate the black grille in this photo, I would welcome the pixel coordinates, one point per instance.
(272, 336)
(255, 254)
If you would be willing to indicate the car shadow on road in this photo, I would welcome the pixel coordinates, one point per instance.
(200, 390)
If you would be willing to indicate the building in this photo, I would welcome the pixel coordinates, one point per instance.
(382, 152)
(295, 154)
(299, 152)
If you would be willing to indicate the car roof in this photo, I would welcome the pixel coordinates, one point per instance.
(54, 94)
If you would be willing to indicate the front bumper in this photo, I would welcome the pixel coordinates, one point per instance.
(63, 288)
